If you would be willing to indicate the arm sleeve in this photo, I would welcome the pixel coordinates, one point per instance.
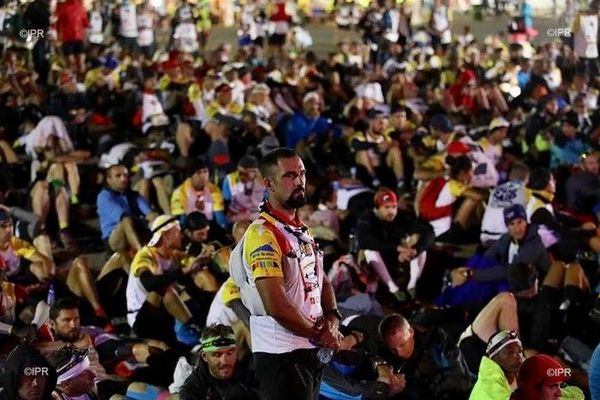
(158, 283)
(241, 311)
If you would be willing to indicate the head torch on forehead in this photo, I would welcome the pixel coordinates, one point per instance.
(217, 342)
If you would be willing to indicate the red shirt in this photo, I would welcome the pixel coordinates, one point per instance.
(71, 21)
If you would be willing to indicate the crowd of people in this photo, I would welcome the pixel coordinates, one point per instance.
(413, 215)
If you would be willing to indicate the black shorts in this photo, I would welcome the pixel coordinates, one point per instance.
(473, 350)
(291, 376)
(128, 44)
(72, 48)
(153, 322)
(277, 39)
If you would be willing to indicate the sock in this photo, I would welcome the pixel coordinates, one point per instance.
(392, 286)
(74, 199)
(400, 184)
(572, 293)
(63, 225)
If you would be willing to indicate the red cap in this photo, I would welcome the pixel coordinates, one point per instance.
(541, 370)
(385, 197)
(457, 147)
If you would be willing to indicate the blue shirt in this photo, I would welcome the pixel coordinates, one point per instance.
(113, 206)
(300, 127)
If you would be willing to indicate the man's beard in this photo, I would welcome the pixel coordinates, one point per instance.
(294, 202)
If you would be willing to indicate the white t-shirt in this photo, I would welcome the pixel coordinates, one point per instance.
(145, 23)
(128, 15)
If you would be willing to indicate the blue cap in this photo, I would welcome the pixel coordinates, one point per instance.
(442, 123)
(513, 212)
(111, 62)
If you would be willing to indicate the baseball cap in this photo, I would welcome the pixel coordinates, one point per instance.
(442, 123)
(375, 113)
(500, 340)
(540, 370)
(248, 161)
(385, 197)
(498, 122)
(457, 147)
(160, 225)
(513, 212)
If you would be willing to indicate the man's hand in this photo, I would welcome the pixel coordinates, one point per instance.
(329, 336)
(459, 276)
(406, 253)
(396, 382)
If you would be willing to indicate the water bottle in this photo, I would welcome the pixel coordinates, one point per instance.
(51, 295)
(325, 355)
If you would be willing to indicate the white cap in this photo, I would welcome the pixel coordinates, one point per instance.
(498, 122)
(160, 225)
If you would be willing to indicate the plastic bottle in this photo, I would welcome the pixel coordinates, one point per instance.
(51, 295)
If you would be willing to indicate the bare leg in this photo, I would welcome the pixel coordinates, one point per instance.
(394, 161)
(143, 188)
(9, 155)
(162, 194)
(465, 212)
(62, 207)
(42, 272)
(40, 201)
(499, 314)
(81, 282)
(119, 259)
(73, 178)
(556, 275)
(176, 307)
(575, 276)
(183, 138)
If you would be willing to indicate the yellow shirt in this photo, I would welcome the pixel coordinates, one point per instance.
(262, 252)
(184, 199)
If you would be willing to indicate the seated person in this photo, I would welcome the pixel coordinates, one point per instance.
(28, 376)
(75, 378)
(542, 377)
(499, 367)
(198, 193)
(66, 332)
(438, 202)
(243, 191)
(29, 265)
(583, 187)
(388, 235)
(152, 302)
(124, 214)
(218, 372)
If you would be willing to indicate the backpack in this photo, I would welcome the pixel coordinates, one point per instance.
(428, 211)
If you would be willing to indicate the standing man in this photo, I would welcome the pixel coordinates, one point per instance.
(279, 270)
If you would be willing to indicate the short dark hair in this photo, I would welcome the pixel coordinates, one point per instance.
(219, 330)
(392, 323)
(271, 159)
(64, 303)
(459, 164)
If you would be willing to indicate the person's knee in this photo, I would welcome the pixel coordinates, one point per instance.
(506, 300)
